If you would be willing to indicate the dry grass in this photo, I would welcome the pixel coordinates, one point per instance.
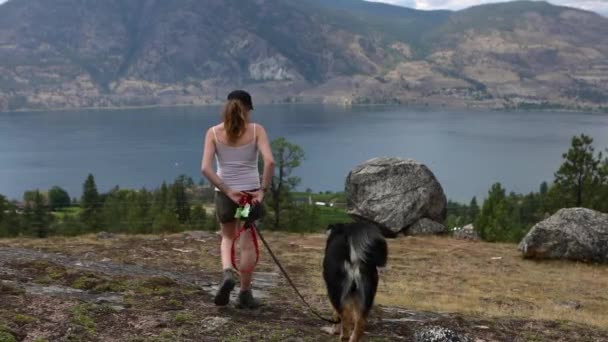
(424, 273)
(492, 280)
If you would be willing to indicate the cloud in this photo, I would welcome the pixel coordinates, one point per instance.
(600, 6)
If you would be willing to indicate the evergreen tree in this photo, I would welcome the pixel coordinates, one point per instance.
(473, 210)
(114, 211)
(90, 203)
(37, 216)
(58, 198)
(138, 211)
(492, 222)
(179, 200)
(578, 177)
(166, 221)
(198, 218)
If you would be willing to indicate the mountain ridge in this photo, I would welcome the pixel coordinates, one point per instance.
(85, 53)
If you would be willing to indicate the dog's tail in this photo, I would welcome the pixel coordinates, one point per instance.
(368, 246)
(368, 250)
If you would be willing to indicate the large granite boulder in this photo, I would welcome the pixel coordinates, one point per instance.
(395, 194)
(575, 234)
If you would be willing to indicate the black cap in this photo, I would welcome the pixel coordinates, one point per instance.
(242, 96)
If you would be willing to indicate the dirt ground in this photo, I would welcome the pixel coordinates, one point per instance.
(159, 288)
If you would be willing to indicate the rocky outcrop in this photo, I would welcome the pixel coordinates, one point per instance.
(396, 194)
(574, 234)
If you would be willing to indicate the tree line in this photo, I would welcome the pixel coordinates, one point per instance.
(169, 208)
(580, 181)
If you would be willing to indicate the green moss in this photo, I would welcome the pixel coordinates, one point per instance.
(43, 280)
(85, 282)
(9, 289)
(7, 337)
(158, 286)
(23, 319)
(55, 273)
(111, 286)
(183, 318)
(81, 316)
(175, 304)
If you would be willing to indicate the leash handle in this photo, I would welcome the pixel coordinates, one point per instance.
(276, 261)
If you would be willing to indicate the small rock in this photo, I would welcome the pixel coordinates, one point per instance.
(182, 250)
(425, 226)
(439, 334)
(496, 258)
(104, 236)
(570, 304)
(213, 323)
(467, 232)
(197, 235)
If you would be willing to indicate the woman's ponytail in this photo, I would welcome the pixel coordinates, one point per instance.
(234, 120)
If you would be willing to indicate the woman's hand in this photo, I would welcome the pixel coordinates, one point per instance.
(235, 195)
(257, 197)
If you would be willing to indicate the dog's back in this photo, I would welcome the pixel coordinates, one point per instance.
(353, 253)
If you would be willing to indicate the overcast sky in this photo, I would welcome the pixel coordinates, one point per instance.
(593, 5)
(600, 6)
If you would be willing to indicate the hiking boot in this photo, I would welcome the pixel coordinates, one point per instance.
(246, 300)
(226, 286)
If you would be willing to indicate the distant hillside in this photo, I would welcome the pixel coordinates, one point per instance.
(90, 53)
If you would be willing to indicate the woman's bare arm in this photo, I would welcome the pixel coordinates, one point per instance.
(266, 151)
(206, 168)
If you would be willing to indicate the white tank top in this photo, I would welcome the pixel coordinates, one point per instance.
(238, 166)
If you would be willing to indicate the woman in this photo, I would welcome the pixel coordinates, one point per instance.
(236, 143)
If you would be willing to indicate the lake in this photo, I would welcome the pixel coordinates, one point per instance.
(132, 148)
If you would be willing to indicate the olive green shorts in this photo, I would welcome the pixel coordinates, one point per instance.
(225, 209)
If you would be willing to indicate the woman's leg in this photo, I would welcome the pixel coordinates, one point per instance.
(245, 299)
(229, 278)
(228, 232)
(247, 258)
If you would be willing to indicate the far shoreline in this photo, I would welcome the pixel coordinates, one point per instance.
(431, 107)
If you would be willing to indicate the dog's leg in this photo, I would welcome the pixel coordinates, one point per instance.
(347, 320)
(337, 326)
(333, 329)
(359, 328)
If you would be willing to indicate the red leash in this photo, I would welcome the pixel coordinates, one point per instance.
(246, 200)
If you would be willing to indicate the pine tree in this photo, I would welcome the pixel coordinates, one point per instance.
(473, 210)
(198, 218)
(37, 216)
(578, 177)
(180, 202)
(492, 221)
(90, 204)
